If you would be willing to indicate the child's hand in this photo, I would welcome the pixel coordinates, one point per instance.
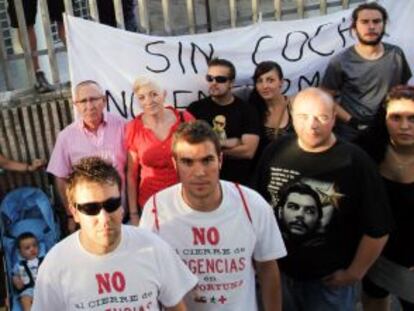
(17, 282)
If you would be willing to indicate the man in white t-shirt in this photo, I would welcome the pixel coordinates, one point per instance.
(222, 231)
(106, 265)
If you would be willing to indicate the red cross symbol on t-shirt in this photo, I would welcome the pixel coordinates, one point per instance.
(222, 299)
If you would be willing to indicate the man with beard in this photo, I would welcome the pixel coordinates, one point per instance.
(240, 120)
(362, 75)
(300, 210)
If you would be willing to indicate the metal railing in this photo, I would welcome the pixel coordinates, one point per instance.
(163, 17)
(29, 131)
(30, 122)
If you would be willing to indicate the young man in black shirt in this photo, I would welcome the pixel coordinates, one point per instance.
(235, 121)
(322, 268)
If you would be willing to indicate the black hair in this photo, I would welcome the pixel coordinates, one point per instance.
(376, 139)
(369, 6)
(254, 98)
(300, 188)
(224, 63)
(24, 236)
(195, 132)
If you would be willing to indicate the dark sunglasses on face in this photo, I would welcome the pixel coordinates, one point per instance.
(218, 79)
(94, 208)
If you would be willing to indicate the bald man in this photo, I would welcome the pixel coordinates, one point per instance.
(321, 269)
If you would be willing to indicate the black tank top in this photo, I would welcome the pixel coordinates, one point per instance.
(400, 247)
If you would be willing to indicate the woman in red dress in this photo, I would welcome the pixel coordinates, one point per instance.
(148, 143)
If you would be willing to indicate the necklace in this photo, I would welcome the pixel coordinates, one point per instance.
(401, 165)
(279, 118)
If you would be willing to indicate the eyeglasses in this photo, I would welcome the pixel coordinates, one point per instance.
(92, 100)
(218, 79)
(323, 119)
(94, 208)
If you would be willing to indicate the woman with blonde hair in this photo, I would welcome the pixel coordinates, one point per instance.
(148, 143)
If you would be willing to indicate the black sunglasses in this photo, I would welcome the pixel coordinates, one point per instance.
(218, 79)
(94, 208)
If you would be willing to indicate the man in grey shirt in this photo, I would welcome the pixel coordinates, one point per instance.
(362, 75)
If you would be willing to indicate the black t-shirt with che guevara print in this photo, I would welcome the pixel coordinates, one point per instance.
(352, 202)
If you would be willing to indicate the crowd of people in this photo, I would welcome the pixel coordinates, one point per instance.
(332, 170)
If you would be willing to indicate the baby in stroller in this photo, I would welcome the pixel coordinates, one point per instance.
(25, 210)
(25, 271)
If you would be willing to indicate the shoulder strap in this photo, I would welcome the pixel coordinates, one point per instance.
(246, 207)
(155, 209)
(29, 274)
(155, 212)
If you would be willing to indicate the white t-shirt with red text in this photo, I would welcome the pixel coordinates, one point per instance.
(141, 272)
(218, 246)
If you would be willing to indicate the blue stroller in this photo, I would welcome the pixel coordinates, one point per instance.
(25, 210)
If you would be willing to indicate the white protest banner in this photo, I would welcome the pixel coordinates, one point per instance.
(114, 57)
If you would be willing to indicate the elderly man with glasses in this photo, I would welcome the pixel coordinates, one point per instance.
(106, 265)
(94, 133)
(241, 121)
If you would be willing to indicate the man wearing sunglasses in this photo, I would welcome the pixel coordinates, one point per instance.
(106, 265)
(240, 119)
(94, 133)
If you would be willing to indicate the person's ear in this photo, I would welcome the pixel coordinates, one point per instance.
(174, 161)
(75, 213)
(220, 158)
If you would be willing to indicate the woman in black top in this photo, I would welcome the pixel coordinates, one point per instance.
(273, 107)
(391, 144)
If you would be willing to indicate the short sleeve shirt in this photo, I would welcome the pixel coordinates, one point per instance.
(154, 156)
(363, 84)
(344, 201)
(218, 246)
(76, 142)
(239, 118)
(140, 273)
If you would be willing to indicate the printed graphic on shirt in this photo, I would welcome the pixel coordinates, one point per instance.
(304, 207)
(112, 292)
(221, 269)
(329, 197)
(279, 177)
(219, 126)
